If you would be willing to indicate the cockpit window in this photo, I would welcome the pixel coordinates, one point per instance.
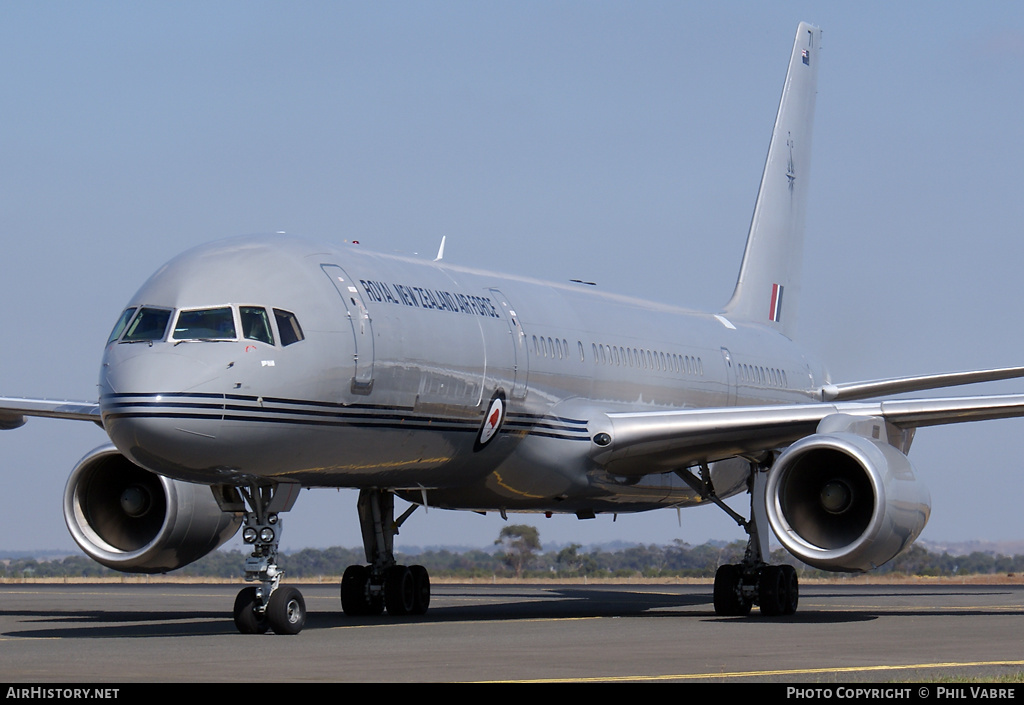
(205, 324)
(148, 324)
(121, 324)
(256, 324)
(288, 327)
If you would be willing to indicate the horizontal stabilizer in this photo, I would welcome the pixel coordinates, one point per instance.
(851, 391)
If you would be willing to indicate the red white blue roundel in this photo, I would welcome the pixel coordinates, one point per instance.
(492, 420)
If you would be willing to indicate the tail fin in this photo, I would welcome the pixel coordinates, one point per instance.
(768, 286)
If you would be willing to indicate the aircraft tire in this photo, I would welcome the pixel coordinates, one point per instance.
(247, 619)
(771, 591)
(728, 601)
(421, 589)
(354, 602)
(399, 591)
(792, 587)
(286, 611)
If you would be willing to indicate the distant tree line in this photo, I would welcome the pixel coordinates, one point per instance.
(520, 556)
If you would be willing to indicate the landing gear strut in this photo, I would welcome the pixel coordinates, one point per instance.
(268, 606)
(738, 587)
(383, 584)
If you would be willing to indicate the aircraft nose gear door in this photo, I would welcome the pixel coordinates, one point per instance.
(362, 326)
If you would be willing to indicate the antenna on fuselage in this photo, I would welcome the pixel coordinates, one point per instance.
(440, 250)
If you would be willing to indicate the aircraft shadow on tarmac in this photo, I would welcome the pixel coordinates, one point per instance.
(513, 605)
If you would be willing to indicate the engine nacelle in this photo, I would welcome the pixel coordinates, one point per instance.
(135, 521)
(844, 502)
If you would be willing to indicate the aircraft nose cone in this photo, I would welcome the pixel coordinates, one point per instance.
(157, 405)
(153, 371)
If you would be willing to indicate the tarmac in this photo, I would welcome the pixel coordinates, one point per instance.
(842, 633)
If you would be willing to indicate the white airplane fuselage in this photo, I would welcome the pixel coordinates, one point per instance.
(402, 367)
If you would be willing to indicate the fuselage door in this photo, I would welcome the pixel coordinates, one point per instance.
(517, 342)
(362, 326)
(730, 377)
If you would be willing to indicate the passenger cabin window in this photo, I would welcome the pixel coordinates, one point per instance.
(121, 324)
(148, 324)
(205, 324)
(288, 327)
(255, 324)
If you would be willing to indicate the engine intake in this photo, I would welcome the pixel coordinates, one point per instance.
(844, 502)
(135, 521)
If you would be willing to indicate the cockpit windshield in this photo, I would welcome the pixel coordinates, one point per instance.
(148, 324)
(205, 324)
(256, 324)
(288, 326)
(121, 324)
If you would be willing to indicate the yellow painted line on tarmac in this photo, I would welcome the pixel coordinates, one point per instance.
(762, 674)
(887, 609)
(26, 638)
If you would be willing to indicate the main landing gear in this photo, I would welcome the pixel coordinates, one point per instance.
(383, 584)
(738, 587)
(270, 605)
(774, 588)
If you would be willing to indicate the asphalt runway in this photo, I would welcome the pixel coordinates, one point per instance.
(125, 633)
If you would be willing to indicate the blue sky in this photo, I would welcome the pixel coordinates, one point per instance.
(617, 142)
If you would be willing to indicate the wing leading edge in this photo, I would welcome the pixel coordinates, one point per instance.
(641, 443)
(13, 411)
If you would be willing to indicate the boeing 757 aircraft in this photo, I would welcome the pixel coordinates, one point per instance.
(247, 369)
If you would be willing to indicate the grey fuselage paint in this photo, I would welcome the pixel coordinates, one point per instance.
(391, 384)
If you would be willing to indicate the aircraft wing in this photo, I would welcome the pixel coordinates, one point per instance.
(13, 410)
(640, 443)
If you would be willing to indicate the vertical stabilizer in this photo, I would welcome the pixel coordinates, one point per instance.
(768, 287)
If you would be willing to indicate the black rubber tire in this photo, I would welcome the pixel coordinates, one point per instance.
(399, 591)
(771, 591)
(792, 586)
(354, 602)
(286, 611)
(728, 601)
(247, 619)
(421, 589)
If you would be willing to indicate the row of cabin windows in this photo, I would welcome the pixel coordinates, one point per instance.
(553, 347)
(647, 359)
(558, 348)
(763, 376)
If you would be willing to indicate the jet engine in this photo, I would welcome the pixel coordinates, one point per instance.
(847, 502)
(135, 521)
